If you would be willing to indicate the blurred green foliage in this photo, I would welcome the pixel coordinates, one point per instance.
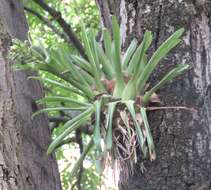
(73, 11)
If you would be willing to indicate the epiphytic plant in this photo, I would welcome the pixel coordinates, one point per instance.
(115, 96)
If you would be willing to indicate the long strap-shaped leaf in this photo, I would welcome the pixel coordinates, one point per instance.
(74, 80)
(109, 125)
(79, 163)
(117, 64)
(64, 70)
(168, 77)
(135, 67)
(55, 62)
(84, 67)
(97, 135)
(96, 71)
(70, 126)
(140, 136)
(40, 51)
(150, 141)
(82, 63)
(128, 54)
(82, 90)
(107, 67)
(75, 72)
(85, 89)
(89, 78)
(59, 84)
(71, 101)
(58, 109)
(93, 45)
(138, 55)
(161, 52)
(108, 45)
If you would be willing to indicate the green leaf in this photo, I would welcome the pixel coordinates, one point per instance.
(71, 101)
(117, 64)
(68, 65)
(136, 66)
(140, 136)
(108, 45)
(71, 126)
(97, 135)
(85, 89)
(109, 126)
(99, 162)
(93, 45)
(106, 65)
(161, 52)
(128, 54)
(167, 78)
(56, 63)
(150, 142)
(62, 85)
(82, 63)
(136, 61)
(92, 60)
(58, 109)
(79, 89)
(88, 78)
(129, 92)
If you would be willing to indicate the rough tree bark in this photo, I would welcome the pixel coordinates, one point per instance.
(183, 140)
(24, 164)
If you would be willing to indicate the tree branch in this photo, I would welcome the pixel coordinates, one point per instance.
(48, 23)
(64, 25)
(105, 14)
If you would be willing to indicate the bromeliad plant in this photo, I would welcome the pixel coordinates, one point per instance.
(115, 96)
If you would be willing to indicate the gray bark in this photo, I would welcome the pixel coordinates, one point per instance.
(183, 139)
(24, 164)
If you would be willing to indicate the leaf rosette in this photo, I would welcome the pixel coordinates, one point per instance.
(112, 90)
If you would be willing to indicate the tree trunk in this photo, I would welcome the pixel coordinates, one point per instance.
(182, 138)
(24, 164)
